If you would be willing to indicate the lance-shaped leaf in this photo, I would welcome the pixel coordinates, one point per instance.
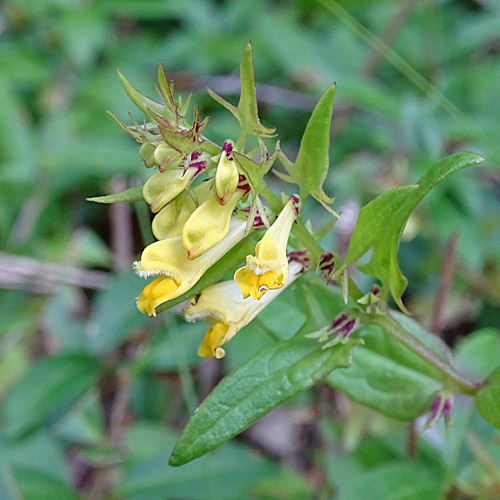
(386, 376)
(311, 166)
(372, 220)
(246, 112)
(144, 103)
(384, 261)
(130, 194)
(273, 376)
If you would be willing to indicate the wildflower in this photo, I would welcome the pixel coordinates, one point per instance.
(163, 187)
(223, 306)
(170, 220)
(226, 177)
(208, 225)
(177, 274)
(268, 269)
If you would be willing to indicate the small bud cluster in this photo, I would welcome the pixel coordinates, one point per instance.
(339, 331)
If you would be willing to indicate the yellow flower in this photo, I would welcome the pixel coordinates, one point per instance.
(223, 306)
(208, 225)
(170, 220)
(268, 270)
(163, 187)
(226, 177)
(168, 260)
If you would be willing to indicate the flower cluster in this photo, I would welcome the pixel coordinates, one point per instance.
(195, 227)
(205, 200)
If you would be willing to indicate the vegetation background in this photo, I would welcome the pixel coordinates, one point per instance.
(93, 393)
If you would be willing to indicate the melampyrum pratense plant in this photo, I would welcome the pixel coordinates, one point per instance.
(216, 217)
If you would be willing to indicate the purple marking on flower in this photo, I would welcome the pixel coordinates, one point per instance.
(436, 403)
(338, 320)
(348, 328)
(258, 223)
(199, 166)
(195, 155)
(375, 290)
(447, 410)
(228, 149)
(296, 203)
(326, 262)
(300, 256)
(243, 184)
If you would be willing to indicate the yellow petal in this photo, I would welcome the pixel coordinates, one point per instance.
(226, 179)
(170, 220)
(268, 269)
(256, 285)
(163, 187)
(169, 258)
(212, 341)
(208, 225)
(158, 291)
(223, 305)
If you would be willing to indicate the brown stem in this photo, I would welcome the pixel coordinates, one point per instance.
(444, 284)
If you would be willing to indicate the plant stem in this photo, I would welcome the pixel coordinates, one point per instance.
(397, 331)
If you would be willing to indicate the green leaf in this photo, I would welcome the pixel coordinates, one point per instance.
(144, 103)
(216, 273)
(230, 473)
(311, 167)
(488, 399)
(390, 378)
(265, 381)
(48, 391)
(378, 378)
(479, 353)
(372, 219)
(246, 112)
(34, 484)
(130, 194)
(384, 261)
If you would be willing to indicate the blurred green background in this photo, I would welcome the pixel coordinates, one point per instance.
(94, 394)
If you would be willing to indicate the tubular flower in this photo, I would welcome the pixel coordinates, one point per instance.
(223, 306)
(170, 220)
(268, 269)
(163, 187)
(208, 225)
(168, 260)
(226, 177)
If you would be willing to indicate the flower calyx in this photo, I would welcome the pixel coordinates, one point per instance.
(338, 332)
(441, 407)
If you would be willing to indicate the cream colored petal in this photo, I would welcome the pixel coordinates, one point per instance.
(170, 220)
(226, 179)
(169, 258)
(222, 304)
(163, 187)
(208, 225)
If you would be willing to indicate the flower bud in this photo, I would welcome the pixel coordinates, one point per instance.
(146, 152)
(166, 156)
(226, 176)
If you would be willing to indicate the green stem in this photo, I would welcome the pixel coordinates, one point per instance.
(397, 331)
